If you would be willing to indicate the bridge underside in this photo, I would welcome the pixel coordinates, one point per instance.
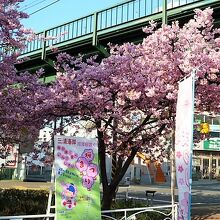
(127, 32)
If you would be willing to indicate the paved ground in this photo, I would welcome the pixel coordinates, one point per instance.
(7, 184)
(205, 195)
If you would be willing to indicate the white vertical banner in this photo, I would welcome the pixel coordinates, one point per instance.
(184, 144)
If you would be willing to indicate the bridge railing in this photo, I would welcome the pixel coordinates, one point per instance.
(107, 18)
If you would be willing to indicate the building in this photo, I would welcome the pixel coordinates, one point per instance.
(206, 154)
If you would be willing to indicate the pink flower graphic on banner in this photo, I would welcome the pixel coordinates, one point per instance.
(88, 170)
(180, 168)
(88, 154)
(185, 204)
(178, 154)
(92, 171)
(82, 164)
(87, 182)
(181, 181)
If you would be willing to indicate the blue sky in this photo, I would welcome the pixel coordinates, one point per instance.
(61, 11)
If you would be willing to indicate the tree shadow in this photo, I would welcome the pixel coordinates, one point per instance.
(205, 211)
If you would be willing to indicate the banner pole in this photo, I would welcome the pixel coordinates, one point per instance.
(52, 188)
(173, 174)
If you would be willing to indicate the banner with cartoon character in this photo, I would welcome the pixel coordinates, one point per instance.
(183, 145)
(77, 178)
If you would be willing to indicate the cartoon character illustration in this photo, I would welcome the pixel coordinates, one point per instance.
(69, 194)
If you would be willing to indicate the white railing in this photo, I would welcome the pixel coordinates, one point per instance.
(168, 212)
(21, 217)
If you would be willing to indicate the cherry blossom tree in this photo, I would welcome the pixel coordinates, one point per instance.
(17, 90)
(130, 97)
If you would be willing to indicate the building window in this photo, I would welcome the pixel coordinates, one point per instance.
(216, 120)
(218, 162)
(213, 134)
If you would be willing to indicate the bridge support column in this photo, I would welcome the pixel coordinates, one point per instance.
(95, 43)
(164, 12)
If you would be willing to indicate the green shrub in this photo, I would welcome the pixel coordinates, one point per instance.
(32, 202)
(22, 202)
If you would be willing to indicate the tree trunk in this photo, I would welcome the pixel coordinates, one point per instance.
(107, 198)
(110, 190)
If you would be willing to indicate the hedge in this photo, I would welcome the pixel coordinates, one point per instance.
(23, 202)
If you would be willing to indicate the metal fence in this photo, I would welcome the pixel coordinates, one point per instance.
(168, 212)
(101, 20)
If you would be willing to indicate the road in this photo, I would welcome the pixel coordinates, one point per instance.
(205, 197)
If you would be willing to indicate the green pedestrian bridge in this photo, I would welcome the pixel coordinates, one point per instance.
(120, 23)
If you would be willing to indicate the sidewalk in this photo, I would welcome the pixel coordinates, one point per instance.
(17, 184)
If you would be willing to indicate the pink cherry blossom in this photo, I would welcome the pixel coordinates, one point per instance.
(139, 78)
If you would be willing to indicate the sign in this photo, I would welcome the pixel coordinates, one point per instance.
(8, 156)
(183, 145)
(204, 128)
(39, 161)
(211, 144)
(77, 178)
